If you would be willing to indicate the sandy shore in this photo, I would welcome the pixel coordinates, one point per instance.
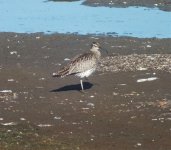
(127, 104)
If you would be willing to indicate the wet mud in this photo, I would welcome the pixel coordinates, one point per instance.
(125, 105)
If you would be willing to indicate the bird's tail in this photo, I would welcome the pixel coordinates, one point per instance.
(55, 74)
(62, 72)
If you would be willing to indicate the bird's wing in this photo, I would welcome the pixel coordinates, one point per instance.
(76, 65)
(82, 63)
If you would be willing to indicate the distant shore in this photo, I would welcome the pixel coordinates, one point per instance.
(163, 5)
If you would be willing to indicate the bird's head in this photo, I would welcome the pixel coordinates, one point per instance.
(95, 46)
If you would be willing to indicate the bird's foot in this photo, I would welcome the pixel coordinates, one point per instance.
(83, 91)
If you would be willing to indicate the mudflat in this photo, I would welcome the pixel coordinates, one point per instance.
(126, 104)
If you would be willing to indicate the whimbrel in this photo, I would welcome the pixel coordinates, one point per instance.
(82, 65)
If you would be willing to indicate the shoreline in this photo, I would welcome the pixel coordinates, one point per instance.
(160, 4)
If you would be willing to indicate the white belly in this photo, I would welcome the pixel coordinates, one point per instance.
(85, 73)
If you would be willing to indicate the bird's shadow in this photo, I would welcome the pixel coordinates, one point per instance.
(73, 87)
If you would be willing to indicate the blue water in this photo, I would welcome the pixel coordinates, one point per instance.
(30, 16)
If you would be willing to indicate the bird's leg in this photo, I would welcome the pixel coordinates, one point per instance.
(82, 85)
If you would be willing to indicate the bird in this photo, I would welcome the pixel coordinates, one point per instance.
(82, 65)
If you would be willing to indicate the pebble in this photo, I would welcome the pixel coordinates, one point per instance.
(44, 125)
(6, 91)
(13, 52)
(57, 118)
(15, 95)
(22, 119)
(66, 59)
(147, 79)
(139, 144)
(11, 80)
(90, 104)
(148, 45)
(37, 37)
(134, 62)
(9, 124)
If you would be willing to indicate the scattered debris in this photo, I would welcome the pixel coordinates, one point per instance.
(134, 62)
(92, 96)
(66, 59)
(6, 91)
(139, 144)
(85, 108)
(15, 95)
(147, 79)
(42, 79)
(11, 80)
(13, 52)
(141, 68)
(44, 125)
(57, 118)
(9, 124)
(37, 37)
(114, 93)
(22, 119)
(90, 104)
(162, 104)
(148, 46)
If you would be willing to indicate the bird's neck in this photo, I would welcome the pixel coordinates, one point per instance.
(96, 53)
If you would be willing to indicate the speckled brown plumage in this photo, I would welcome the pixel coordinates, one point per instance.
(80, 64)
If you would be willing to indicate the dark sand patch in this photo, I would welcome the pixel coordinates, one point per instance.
(116, 112)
